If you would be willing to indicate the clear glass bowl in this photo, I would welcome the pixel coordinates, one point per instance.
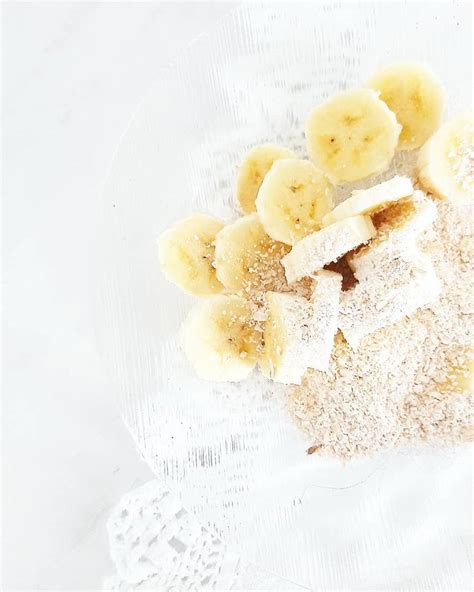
(397, 521)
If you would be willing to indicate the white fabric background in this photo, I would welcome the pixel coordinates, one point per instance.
(73, 73)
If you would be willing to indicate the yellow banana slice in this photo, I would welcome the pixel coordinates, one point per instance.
(392, 288)
(398, 226)
(284, 358)
(368, 201)
(299, 334)
(316, 250)
(220, 338)
(186, 254)
(253, 169)
(293, 199)
(247, 259)
(458, 379)
(446, 162)
(416, 97)
(351, 136)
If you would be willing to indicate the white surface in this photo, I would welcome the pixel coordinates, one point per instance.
(72, 75)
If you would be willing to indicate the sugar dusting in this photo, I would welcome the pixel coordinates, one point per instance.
(403, 384)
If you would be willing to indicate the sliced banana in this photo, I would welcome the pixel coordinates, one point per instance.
(351, 136)
(446, 162)
(316, 250)
(416, 97)
(395, 286)
(284, 358)
(247, 259)
(299, 334)
(398, 228)
(186, 254)
(326, 303)
(368, 201)
(253, 169)
(220, 338)
(293, 199)
(459, 378)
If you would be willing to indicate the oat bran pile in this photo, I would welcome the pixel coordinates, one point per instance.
(403, 384)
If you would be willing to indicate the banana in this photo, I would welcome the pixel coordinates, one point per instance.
(394, 287)
(446, 162)
(316, 250)
(326, 303)
(368, 201)
(352, 136)
(284, 358)
(253, 169)
(293, 199)
(220, 338)
(247, 259)
(186, 254)
(416, 97)
(399, 226)
(403, 221)
(299, 334)
(459, 378)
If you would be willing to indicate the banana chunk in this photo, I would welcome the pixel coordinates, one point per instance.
(326, 302)
(293, 199)
(368, 201)
(398, 226)
(220, 338)
(284, 357)
(299, 334)
(458, 378)
(396, 287)
(252, 171)
(352, 136)
(316, 250)
(446, 162)
(247, 260)
(416, 97)
(186, 254)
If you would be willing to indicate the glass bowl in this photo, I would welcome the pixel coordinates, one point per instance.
(230, 451)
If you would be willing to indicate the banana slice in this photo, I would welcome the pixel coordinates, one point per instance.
(253, 169)
(293, 199)
(186, 254)
(397, 285)
(351, 136)
(247, 259)
(446, 162)
(284, 358)
(220, 338)
(459, 379)
(368, 201)
(326, 303)
(398, 228)
(416, 97)
(299, 334)
(316, 250)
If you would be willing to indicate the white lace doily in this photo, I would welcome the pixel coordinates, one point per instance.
(156, 544)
